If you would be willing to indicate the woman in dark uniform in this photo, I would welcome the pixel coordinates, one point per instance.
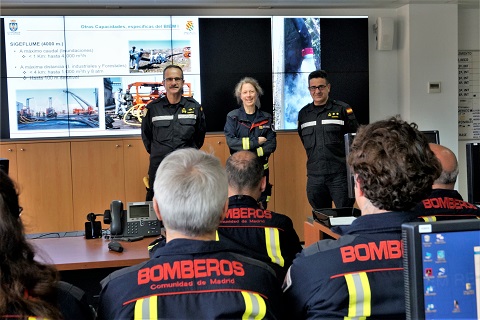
(249, 128)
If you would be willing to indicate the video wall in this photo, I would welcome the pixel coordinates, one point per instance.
(71, 76)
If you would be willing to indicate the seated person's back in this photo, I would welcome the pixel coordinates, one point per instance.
(360, 275)
(192, 276)
(445, 202)
(30, 289)
(259, 233)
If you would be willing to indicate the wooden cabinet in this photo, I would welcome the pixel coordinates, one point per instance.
(61, 182)
(9, 151)
(98, 177)
(290, 174)
(216, 144)
(42, 172)
(136, 161)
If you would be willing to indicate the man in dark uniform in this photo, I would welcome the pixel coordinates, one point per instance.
(172, 122)
(259, 233)
(360, 275)
(322, 125)
(192, 276)
(444, 199)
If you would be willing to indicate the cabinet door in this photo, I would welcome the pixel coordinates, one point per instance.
(45, 185)
(9, 151)
(290, 178)
(136, 168)
(98, 175)
(216, 144)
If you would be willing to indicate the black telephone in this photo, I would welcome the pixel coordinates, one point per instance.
(138, 220)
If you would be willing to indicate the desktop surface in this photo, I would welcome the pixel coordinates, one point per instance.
(78, 253)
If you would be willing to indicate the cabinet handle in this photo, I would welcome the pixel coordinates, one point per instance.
(21, 149)
(219, 142)
(129, 145)
(10, 150)
(117, 145)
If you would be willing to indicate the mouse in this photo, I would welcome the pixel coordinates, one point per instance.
(115, 246)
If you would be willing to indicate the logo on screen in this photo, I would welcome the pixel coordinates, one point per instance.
(189, 26)
(13, 25)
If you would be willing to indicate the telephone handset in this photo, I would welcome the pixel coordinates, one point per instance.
(138, 220)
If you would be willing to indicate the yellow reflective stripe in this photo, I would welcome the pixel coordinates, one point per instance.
(146, 308)
(429, 218)
(255, 307)
(360, 296)
(153, 307)
(246, 143)
(268, 198)
(217, 237)
(259, 151)
(272, 242)
(265, 166)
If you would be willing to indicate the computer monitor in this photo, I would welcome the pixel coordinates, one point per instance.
(433, 136)
(473, 172)
(442, 269)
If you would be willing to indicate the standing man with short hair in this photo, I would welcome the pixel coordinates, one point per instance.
(322, 125)
(192, 276)
(172, 122)
(119, 109)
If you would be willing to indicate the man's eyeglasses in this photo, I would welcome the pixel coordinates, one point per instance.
(314, 88)
(173, 79)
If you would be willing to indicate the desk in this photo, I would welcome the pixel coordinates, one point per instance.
(78, 253)
(314, 231)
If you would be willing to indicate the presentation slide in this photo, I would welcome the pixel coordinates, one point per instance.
(90, 76)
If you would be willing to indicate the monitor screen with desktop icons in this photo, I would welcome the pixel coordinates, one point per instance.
(442, 269)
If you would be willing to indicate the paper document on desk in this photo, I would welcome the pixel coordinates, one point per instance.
(341, 221)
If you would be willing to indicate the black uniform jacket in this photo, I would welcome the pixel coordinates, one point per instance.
(322, 131)
(261, 234)
(192, 279)
(444, 202)
(241, 134)
(359, 275)
(167, 127)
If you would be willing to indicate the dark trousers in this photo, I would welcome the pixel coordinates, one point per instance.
(322, 189)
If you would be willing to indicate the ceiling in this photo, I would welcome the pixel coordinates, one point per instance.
(219, 4)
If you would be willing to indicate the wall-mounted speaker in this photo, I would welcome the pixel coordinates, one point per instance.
(385, 33)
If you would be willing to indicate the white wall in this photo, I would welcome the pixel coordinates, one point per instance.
(468, 39)
(428, 38)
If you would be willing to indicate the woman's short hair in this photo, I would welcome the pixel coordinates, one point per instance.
(254, 83)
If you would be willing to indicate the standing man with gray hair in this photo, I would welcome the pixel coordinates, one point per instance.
(192, 276)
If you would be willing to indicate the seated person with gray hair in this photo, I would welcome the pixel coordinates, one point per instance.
(445, 202)
(192, 276)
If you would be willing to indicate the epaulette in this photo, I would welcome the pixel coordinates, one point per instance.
(341, 103)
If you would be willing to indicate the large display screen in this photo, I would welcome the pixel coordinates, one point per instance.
(68, 76)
